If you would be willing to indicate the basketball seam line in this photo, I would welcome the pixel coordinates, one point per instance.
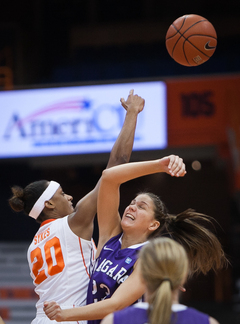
(186, 40)
(182, 35)
(178, 30)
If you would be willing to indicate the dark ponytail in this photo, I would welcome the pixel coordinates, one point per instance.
(17, 200)
(24, 199)
(190, 229)
(204, 250)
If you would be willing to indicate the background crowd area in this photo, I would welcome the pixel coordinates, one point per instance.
(48, 43)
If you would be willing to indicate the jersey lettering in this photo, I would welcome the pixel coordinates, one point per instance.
(40, 237)
(105, 266)
(102, 286)
(120, 273)
(100, 266)
(94, 290)
(54, 260)
(110, 271)
(107, 290)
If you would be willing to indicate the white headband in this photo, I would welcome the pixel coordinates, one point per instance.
(46, 195)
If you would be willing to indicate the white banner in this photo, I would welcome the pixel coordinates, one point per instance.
(79, 119)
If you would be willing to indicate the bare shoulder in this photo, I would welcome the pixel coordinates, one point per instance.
(81, 221)
(79, 227)
(213, 320)
(108, 319)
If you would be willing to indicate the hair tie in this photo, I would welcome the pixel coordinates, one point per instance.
(167, 279)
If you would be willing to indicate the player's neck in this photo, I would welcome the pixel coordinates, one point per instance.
(175, 296)
(129, 240)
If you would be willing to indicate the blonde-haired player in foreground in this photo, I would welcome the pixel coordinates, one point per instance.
(164, 268)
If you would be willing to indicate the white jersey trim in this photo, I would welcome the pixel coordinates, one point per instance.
(175, 307)
(135, 246)
(178, 307)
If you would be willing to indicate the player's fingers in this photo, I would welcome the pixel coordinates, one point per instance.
(176, 165)
(131, 92)
(52, 313)
(52, 316)
(51, 306)
(47, 306)
(179, 167)
(171, 162)
(182, 171)
(123, 103)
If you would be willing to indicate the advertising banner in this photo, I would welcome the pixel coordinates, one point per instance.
(78, 120)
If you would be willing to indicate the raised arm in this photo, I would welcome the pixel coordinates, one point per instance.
(108, 197)
(81, 222)
(122, 149)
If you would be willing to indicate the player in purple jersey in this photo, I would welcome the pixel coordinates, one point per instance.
(145, 217)
(163, 268)
(113, 267)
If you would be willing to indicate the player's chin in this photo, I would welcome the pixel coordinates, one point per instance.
(126, 223)
(71, 209)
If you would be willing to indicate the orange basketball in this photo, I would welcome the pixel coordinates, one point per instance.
(191, 40)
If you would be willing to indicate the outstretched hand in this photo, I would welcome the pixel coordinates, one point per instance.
(134, 102)
(53, 311)
(173, 165)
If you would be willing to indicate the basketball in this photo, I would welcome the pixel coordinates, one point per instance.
(191, 40)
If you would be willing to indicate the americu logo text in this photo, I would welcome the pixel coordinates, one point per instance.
(65, 122)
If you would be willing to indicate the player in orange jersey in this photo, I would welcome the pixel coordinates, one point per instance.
(61, 253)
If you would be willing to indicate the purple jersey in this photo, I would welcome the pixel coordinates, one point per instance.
(112, 267)
(137, 314)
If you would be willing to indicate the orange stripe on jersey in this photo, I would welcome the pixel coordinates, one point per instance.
(94, 244)
(80, 243)
(47, 221)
